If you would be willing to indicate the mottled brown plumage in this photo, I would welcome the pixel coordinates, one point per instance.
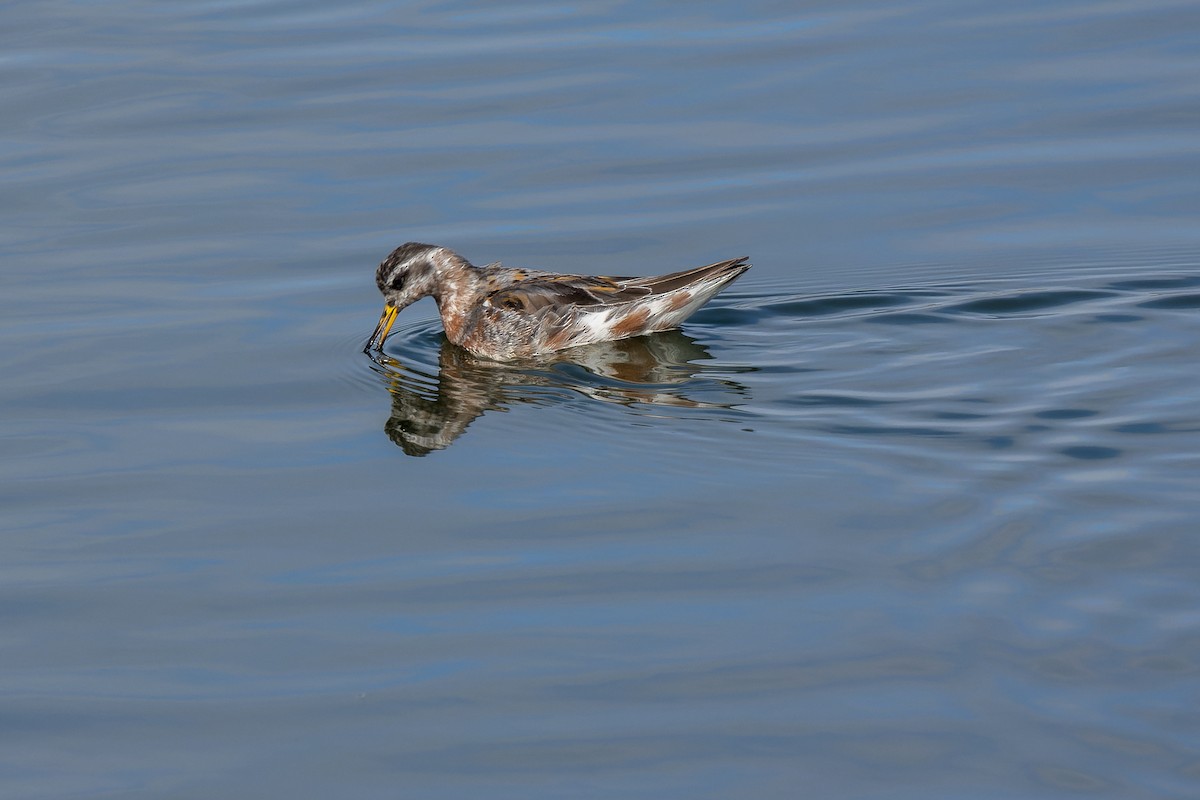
(502, 313)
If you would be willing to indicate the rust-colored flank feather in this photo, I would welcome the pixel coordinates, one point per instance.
(502, 313)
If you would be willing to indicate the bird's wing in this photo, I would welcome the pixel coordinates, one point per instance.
(534, 291)
(539, 291)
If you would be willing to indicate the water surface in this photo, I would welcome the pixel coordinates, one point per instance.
(908, 511)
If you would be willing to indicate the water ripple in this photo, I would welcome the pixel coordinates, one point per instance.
(819, 369)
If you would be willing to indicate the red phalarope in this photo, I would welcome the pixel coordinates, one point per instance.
(501, 313)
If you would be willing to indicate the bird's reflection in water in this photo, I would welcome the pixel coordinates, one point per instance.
(430, 411)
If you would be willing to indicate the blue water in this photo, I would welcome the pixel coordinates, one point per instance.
(909, 511)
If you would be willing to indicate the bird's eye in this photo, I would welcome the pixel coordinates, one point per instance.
(398, 282)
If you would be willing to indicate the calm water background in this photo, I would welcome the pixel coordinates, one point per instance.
(909, 512)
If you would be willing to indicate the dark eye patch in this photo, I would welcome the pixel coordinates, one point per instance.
(398, 282)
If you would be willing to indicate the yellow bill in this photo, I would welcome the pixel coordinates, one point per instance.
(381, 330)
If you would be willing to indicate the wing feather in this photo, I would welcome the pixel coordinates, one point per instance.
(544, 291)
(534, 291)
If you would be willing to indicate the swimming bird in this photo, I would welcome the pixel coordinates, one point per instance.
(502, 313)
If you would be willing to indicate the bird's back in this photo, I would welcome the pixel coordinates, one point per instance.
(527, 312)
